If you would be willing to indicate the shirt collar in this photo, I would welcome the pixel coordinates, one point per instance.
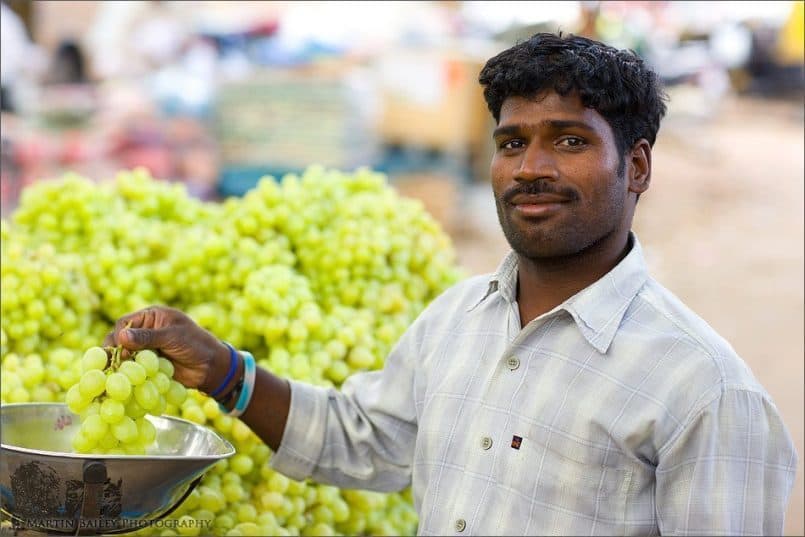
(597, 309)
(504, 279)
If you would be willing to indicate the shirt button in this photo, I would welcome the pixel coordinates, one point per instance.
(460, 525)
(513, 362)
(486, 442)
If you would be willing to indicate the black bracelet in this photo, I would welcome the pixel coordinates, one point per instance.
(231, 394)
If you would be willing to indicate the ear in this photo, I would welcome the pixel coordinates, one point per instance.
(639, 167)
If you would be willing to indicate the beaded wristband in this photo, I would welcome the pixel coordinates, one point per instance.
(233, 365)
(250, 371)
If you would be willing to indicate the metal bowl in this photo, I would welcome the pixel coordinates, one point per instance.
(45, 486)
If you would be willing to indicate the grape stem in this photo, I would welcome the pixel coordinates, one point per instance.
(117, 353)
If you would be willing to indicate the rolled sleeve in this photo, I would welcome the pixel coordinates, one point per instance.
(729, 471)
(301, 445)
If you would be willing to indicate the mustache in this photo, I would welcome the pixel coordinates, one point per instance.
(539, 187)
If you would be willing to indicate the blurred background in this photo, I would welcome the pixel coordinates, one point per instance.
(219, 94)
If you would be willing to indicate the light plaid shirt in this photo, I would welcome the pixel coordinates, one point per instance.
(619, 412)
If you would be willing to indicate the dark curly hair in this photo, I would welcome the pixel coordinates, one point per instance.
(615, 83)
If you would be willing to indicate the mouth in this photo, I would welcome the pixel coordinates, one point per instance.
(538, 205)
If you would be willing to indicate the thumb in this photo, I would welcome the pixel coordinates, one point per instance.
(136, 339)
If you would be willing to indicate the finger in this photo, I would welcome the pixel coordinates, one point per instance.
(132, 319)
(135, 339)
(144, 318)
(109, 340)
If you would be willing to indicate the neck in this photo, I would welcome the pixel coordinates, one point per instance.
(543, 284)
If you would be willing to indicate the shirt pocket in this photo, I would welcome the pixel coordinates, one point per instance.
(565, 487)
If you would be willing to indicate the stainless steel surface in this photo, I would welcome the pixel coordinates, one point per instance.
(43, 482)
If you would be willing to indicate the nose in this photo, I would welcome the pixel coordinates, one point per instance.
(536, 163)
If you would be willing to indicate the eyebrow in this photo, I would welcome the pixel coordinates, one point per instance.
(553, 124)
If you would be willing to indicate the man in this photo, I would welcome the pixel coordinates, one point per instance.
(566, 394)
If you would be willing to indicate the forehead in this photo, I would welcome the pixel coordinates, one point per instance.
(551, 106)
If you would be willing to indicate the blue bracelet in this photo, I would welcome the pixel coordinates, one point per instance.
(233, 365)
(249, 374)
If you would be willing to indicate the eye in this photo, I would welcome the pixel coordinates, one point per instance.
(512, 144)
(572, 141)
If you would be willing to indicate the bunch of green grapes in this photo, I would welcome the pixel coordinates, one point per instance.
(114, 396)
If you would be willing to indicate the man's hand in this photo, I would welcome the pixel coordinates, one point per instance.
(201, 361)
(198, 356)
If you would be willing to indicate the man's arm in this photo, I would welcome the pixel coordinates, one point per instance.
(361, 436)
(728, 471)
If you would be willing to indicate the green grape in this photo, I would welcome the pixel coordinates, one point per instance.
(247, 513)
(340, 510)
(226, 522)
(278, 482)
(241, 432)
(247, 528)
(118, 386)
(108, 442)
(147, 395)
(176, 394)
(360, 358)
(211, 409)
(147, 433)
(94, 358)
(149, 361)
(321, 529)
(161, 406)
(112, 411)
(233, 492)
(166, 367)
(81, 443)
(195, 414)
(203, 515)
(188, 526)
(76, 401)
(211, 499)
(92, 383)
(134, 371)
(162, 382)
(125, 430)
(93, 409)
(94, 427)
(271, 500)
(241, 464)
(134, 410)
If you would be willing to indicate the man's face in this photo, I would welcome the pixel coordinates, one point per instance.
(555, 176)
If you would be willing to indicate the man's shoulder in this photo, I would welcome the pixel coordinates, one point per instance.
(708, 355)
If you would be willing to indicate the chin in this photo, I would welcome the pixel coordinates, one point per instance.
(543, 251)
(547, 243)
(538, 245)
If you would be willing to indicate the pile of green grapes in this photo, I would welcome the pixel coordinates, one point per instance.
(317, 275)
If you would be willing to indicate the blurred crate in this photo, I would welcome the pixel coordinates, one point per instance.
(400, 160)
(237, 180)
(431, 98)
(285, 120)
